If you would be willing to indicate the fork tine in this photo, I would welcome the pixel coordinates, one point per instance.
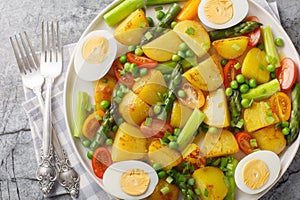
(19, 61)
(23, 57)
(37, 62)
(54, 53)
(29, 56)
(59, 41)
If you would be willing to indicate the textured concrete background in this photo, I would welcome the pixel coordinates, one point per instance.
(17, 159)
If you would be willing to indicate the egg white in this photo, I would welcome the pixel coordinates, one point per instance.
(112, 176)
(269, 158)
(240, 10)
(91, 72)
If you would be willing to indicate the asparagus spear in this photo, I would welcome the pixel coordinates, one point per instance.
(237, 30)
(159, 2)
(106, 125)
(170, 97)
(164, 23)
(235, 109)
(295, 116)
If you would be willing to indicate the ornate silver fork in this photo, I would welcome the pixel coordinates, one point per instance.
(28, 64)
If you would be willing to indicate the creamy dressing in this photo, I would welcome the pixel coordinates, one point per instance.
(95, 50)
(218, 11)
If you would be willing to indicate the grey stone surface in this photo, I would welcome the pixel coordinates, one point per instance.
(17, 159)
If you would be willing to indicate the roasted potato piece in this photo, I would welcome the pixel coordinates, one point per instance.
(207, 75)
(129, 144)
(162, 48)
(180, 114)
(211, 179)
(199, 41)
(259, 115)
(193, 155)
(159, 153)
(220, 144)
(216, 109)
(104, 89)
(131, 30)
(133, 109)
(255, 66)
(231, 48)
(149, 86)
(269, 138)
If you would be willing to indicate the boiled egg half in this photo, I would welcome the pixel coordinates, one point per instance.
(221, 14)
(94, 55)
(257, 171)
(130, 180)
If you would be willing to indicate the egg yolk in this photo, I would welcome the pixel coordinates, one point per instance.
(135, 182)
(95, 50)
(218, 11)
(255, 173)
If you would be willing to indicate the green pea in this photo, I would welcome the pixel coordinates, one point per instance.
(86, 142)
(181, 94)
(244, 88)
(160, 14)
(115, 128)
(278, 42)
(138, 51)
(143, 71)
(234, 84)
(123, 59)
(131, 48)
(224, 62)
(157, 166)
(189, 53)
(212, 130)
(261, 46)
(90, 154)
(272, 75)
(161, 174)
(285, 131)
(285, 124)
(127, 66)
(109, 141)
(104, 104)
(252, 83)
(183, 46)
(228, 91)
(173, 145)
(240, 78)
(150, 21)
(176, 57)
(271, 68)
(173, 24)
(157, 109)
(245, 103)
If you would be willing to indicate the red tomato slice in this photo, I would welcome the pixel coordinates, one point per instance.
(287, 73)
(141, 61)
(243, 140)
(253, 35)
(126, 79)
(156, 129)
(101, 160)
(230, 72)
(194, 97)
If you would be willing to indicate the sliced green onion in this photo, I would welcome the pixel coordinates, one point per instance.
(236, 47)
(190, 31)
(148, 121)
(165, 190)
(253, 143)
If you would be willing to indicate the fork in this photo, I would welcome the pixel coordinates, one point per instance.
(29, 64)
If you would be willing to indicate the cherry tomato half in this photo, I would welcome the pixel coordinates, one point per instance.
(230, 72)
(281, 105)
(194, 97)
(156, 129)
(126, 79)
(141, 61)
(243, 139)
(101, 160)
(287, 73)
(253, 35)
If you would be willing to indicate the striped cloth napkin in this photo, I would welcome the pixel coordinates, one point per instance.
(89, 189)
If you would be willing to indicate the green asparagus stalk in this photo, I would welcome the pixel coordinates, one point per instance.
(106, 125)
(163, 23)
(159, 2)
(295, 115)
(121, 11)
(235, 109)
(82, 105)
(170, 97)
(237, 30)
(271, 51)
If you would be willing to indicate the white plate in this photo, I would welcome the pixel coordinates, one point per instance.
(73, 84)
